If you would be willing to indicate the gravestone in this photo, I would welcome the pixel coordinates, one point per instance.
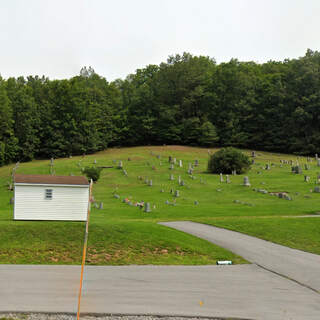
(234, 172)
(162, 191)
(190, 171)
(150, 183)
(146, 180)
(227, 179)
(177, 194)
(95, 161)
(253, 154)
(174, 160)
(180, 163)
(12, 200)
(317, 189)
(179, 179)
(280, 195)
(147, 207)
(221, 177)
(167, 202)
(307, 166)
(120, 165)
(171, 177)
(182, 183)
(101, 206)
(246, 181)
(287, 197)
(318, 162)
(196, 163)
(171, 166)
(116, 196)
(170, 159)
(196, 202)
(51, 162)
(316, 155)
(253, 161)
(267, 166)
(125, 172)
(158, 156)
(297, 169)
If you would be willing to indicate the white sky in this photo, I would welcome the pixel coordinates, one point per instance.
(56, 38)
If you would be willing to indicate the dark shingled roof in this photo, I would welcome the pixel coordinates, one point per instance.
(48, 179)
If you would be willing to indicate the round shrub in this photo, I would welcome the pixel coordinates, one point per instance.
(92, 173)
(227, 160)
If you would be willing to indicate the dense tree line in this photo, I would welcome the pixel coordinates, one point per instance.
(188, 100)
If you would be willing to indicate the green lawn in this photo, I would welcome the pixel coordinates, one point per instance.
(123, 234)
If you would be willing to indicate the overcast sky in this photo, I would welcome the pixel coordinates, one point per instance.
(56, 38)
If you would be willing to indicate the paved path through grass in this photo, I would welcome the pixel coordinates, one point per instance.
(239, 291)
(297, 265)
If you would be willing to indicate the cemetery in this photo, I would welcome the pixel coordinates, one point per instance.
(141, 186)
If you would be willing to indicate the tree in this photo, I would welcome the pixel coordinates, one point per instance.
(227, 160)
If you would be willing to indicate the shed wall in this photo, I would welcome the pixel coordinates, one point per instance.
(67, 203)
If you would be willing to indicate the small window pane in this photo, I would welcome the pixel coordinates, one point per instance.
(48, 194)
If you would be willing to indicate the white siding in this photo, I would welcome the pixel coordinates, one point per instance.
(67, 203)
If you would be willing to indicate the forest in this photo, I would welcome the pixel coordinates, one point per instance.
(187, 100)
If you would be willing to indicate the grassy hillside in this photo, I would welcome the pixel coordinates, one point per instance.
(124, 234)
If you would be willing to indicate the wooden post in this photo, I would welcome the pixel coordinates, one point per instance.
(84, 253)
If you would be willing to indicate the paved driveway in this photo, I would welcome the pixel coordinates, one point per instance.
(243, 291)
(300, 266)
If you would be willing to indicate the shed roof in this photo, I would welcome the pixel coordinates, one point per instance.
(48, 179)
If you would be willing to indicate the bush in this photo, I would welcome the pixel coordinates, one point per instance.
(227, 160)
(92, 173)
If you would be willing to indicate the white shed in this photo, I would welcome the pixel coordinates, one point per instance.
(45, 197)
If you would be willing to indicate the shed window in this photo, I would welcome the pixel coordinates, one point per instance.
(48, 194)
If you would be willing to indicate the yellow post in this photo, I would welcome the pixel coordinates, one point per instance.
(84, 253)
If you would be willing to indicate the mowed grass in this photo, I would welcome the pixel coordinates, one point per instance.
(123, 234)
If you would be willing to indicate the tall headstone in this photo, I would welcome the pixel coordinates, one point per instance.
(253, 154)
(101, 205)
(171, 177)
(171, 166)
(182, 183)
(318, 162)
(174, 160)
(267, 166)
(170, 159)
(196, 163)
(221, 177)
(306, 178)
(180, 163)
(95, 161)
(306, 166)
(179, 179)
(227, 179)
(120, 165)
(150, 183)
(147, 207)
(246, 182)
(177, 194)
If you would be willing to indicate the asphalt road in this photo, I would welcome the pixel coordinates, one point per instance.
(300, 266)
(242, 291)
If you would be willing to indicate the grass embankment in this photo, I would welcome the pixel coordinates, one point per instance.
(123, 234)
